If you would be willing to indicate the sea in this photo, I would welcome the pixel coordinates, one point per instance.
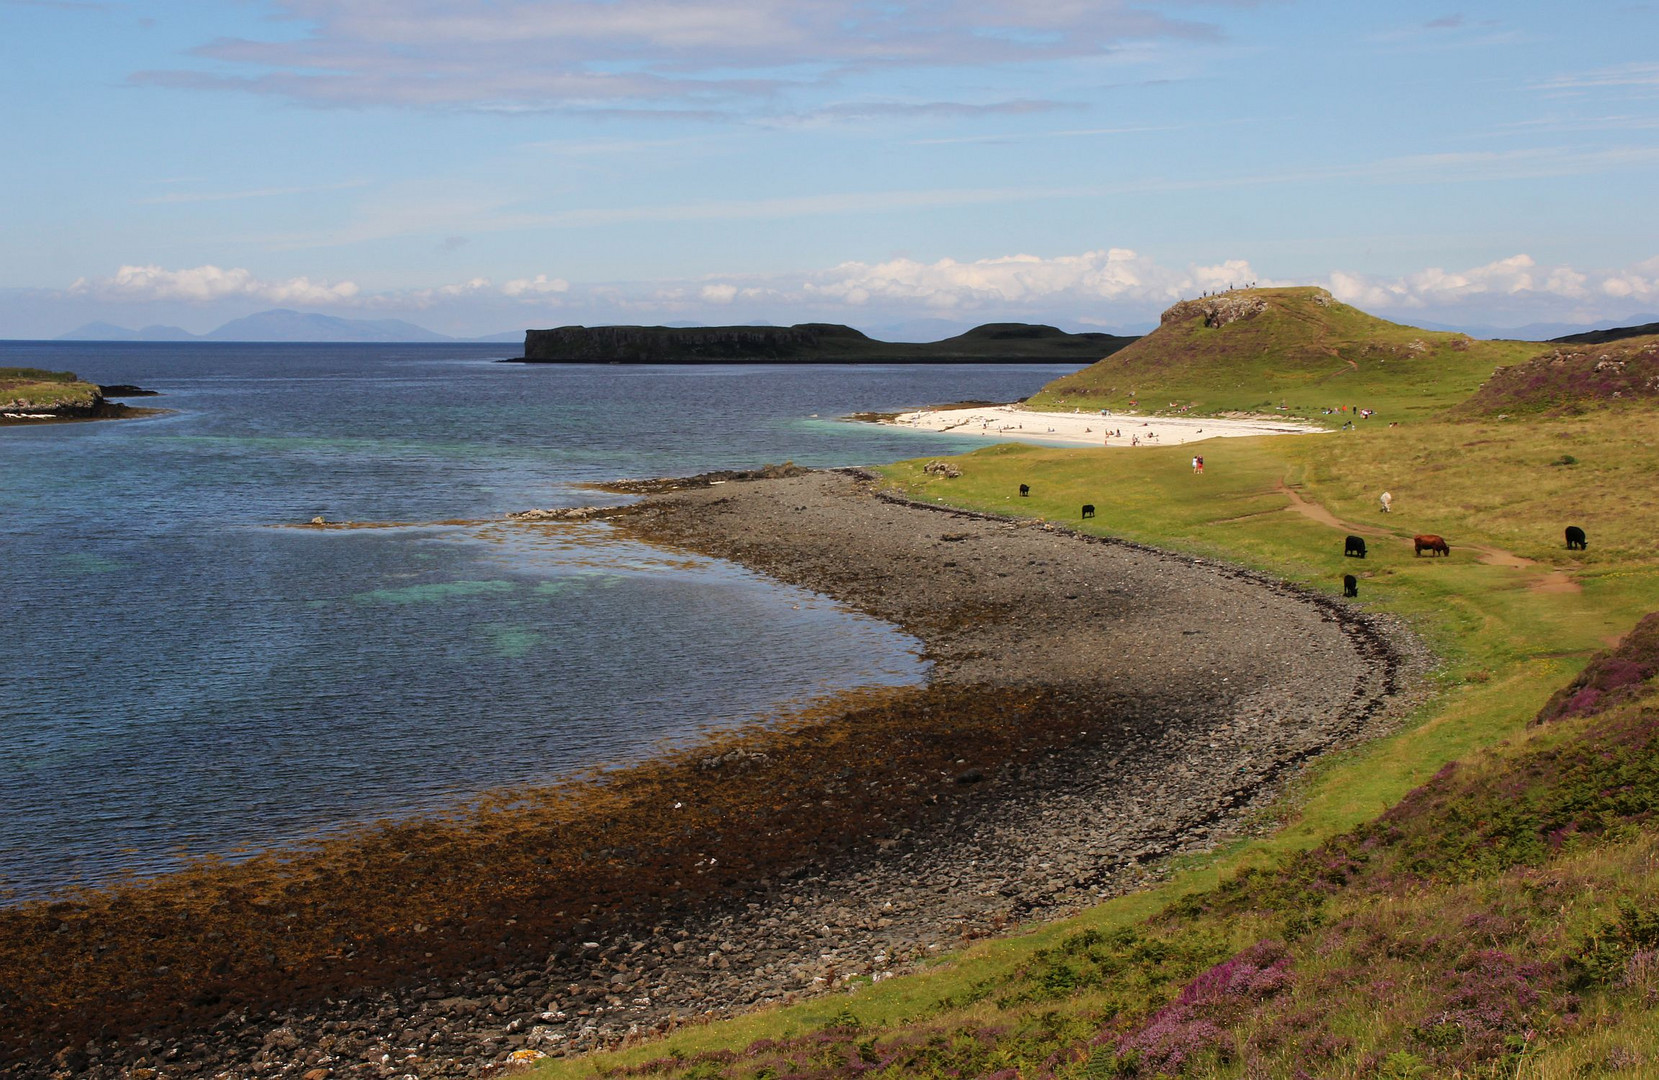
(187, 672)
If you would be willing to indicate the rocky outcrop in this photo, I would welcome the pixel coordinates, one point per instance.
(1216, 311)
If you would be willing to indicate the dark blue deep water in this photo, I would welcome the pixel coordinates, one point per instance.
(182, 671)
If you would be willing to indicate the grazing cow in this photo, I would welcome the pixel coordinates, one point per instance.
(1430, 542)
(1575, 538)
(1350, 585)
(1355, 546)
(1025, 489)
(1088, 510)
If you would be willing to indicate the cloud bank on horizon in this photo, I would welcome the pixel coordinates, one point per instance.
(486, 164)
(1120, 287)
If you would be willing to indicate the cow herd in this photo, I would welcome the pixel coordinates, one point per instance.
(1354, 546)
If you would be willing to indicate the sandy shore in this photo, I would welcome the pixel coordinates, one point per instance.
(1094, 708)
(1126, 429)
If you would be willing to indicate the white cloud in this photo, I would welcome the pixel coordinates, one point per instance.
(540, 285)
(1625, 75)
(1115, 275)
(1105, 286)
(207, 283)
(1505, 284)
(518, 55)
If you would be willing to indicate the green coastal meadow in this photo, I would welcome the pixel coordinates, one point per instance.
(1475, 894)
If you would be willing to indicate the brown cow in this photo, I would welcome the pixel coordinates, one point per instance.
(1430, 542)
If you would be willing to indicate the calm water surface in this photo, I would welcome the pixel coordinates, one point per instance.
(182, 671)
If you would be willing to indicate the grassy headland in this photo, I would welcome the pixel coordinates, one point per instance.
(32, 390)
(1406, 918)
(1253, 350)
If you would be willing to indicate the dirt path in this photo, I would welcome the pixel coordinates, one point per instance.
(1549, 581)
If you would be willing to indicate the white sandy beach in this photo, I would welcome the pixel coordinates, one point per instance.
(1004, 422)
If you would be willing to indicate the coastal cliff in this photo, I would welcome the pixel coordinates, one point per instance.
(809, 343)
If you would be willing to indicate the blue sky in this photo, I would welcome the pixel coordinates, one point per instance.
(487, 165)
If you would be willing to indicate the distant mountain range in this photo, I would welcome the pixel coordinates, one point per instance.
(282, 324)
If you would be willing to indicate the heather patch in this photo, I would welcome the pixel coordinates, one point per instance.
(1570, 379)
(1611, 678)
(1197, 1024)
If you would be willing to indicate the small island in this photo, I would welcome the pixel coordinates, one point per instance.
(34, 396)
(811, 343)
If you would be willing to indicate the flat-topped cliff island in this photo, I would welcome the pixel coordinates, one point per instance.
(811, 343)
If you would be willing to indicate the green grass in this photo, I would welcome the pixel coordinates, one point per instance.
(1508, 635)
(31, 389)
(1304, 351)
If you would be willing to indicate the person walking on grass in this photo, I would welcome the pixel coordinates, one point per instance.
(1387, 500)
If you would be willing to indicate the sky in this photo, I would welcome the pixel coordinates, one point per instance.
(913, 169)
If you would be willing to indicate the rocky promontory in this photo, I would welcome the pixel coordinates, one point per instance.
(33, 395)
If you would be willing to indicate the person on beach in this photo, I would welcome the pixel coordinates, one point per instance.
(1195, 463)
(1200, 465)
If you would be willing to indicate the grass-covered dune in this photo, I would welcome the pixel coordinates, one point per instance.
(1254, 350)
(32, 390)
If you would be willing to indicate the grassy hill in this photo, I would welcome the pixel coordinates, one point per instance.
(1257, 350)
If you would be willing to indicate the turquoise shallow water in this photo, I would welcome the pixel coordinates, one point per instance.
(184, 672)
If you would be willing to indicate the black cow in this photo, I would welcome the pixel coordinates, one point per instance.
(1575, 538)
(1350, 585)
(1088, 510)
(1355, 546)
(1025, 489)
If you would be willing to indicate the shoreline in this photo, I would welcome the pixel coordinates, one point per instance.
(107, 411)
(1077, 428)
(1093, 721)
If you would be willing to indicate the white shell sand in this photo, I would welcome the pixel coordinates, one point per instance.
(1005, 422)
